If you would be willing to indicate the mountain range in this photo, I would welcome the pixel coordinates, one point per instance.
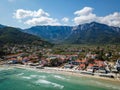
(11, 35)
(89, 33)
(2, 26)
(51, 33)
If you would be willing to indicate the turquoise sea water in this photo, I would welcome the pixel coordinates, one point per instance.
(21, 79)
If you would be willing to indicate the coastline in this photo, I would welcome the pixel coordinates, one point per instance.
(62, 72)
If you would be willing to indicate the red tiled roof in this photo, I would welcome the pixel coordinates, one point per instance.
(84, 60)
(90, 65)
(15, 54)
(82, 65)
(99, 62)
(78, 61)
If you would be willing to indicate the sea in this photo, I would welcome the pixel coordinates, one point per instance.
(23, 79)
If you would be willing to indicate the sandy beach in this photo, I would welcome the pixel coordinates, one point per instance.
(60, 71)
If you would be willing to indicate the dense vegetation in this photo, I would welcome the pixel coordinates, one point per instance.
(9, 35)
(109, 52)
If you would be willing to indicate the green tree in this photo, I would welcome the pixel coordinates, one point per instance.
(54, 62)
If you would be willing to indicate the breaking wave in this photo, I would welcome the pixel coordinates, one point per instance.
(33, 76)
(45, 82)
(37, 76)
(20, 74)
(26, 77)
(60, 77)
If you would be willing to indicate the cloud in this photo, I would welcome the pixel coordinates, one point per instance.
(21, 13)
(84, 11)
(65, 19)
(42, 21)
(86, 15)
(39, 17)
(111, 20)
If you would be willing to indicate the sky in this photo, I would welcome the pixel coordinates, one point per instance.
(27, 13)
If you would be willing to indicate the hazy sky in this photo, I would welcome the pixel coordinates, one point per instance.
(27, 13)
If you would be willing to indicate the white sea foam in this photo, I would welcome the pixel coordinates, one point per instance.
(26, 77)
(60, 77)
(42, 76)
(1, 69)
(37, 76)
(45, 82)
(33, 76)
(20, 74)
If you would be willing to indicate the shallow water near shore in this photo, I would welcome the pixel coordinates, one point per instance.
(22, 79)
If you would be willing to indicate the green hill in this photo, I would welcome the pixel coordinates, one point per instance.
(10, 35)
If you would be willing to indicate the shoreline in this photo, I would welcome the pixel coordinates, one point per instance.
(62, 72)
